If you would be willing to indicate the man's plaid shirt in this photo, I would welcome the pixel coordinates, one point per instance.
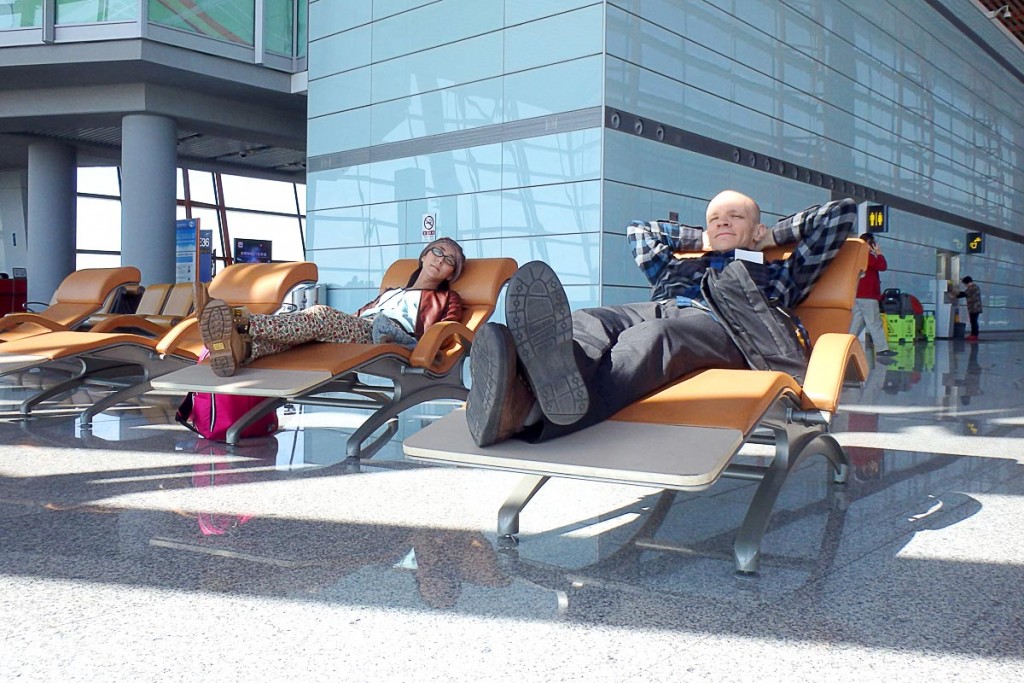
(819, 231)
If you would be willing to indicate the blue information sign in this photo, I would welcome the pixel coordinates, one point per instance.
(185, 254)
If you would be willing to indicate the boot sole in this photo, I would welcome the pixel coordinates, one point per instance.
(540, 321)
(492, 367)
(216, 326)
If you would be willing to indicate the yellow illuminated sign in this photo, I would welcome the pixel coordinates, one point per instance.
(877, 216)
(975, 243)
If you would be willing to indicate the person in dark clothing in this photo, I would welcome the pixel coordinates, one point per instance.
(552, 372)
(972, 293)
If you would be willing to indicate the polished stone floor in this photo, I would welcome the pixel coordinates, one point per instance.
(136, 551)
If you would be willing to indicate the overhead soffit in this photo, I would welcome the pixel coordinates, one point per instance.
(195, 149)
(196, 146)
(245, 154)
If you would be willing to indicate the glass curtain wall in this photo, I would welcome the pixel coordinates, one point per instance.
(233, 21)
(231, 207)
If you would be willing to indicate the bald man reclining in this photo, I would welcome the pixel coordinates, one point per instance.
(551, 372)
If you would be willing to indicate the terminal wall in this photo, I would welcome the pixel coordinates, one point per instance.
(493, 118)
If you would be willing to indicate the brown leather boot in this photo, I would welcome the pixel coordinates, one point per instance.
(539, 319)
(200, 297)
(228, 347)
(500, 400)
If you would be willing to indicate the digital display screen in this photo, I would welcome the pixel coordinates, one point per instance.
(253, 251)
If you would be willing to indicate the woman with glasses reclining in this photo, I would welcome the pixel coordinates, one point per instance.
(400, 315)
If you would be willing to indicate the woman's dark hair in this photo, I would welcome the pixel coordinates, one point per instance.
(869, 238)
(967, 279)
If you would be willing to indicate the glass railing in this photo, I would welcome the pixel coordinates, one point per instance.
(21, 14)
(283, 23)
(230, 20)
(279, 24)
(95, 11)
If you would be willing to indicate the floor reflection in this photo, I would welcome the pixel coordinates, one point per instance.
(937, 479)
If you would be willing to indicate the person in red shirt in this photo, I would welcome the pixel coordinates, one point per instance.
(869, 291)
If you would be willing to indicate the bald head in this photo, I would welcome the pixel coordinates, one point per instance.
(734, 222)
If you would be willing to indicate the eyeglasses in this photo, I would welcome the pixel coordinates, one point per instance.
(448, 258)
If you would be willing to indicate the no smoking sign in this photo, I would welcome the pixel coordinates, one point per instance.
(429, 227)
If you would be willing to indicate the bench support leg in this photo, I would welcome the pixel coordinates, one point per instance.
(830, 448)
(86, 417)
(29, 404)
(403, 399)
(508, 515)
(747, 547)
(793, 444)
(234, 433)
